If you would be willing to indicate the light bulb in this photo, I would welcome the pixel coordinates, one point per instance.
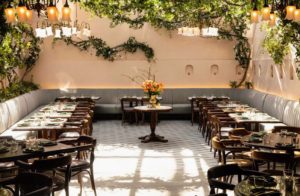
(49, 31)
(51, 10)
(254, 15)
(190, 32)
(297, 15)
(43, 33)
(74, 30)
(88, 33)
(64, 31)
(57, 33)
(272, 22)
(196, 31)
(205, 31)
(10, 14)
(78, 33)
(84, 31)
(184, 31)
(179, 31)
(265, 13)
(66, 12)
(68, 32)
(37, 32)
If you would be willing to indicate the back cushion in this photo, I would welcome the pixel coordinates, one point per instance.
(4, 117)
(291, 114)
(255, 98)
(275, 106)
(32, 100)
(17, 108)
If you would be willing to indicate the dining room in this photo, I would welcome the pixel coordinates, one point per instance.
(149, 98)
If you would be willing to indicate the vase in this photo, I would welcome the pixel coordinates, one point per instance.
(153, 101)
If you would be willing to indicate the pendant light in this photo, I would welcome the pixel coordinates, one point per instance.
(290, 11)
(272, 22)
(179, 31)
(22, 12)
(10, 14)
(38, 32)
(51, 11)
(297, 13)
(29, 15)
(265, 12)
(49, 31)
(254, 14)
(66, 12)
(57, 33)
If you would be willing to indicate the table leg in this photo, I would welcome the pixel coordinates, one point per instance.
(153, 136)
(45, 134)
(53, 135)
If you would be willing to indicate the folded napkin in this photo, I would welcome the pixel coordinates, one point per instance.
(265, 192)
(68, 108)
(24, 124)
(258, 134)
(47, 142)
(69, 104)
(239, 114)
(243, 104)
(39, 114)
(289, 134)
(269, 118)
(57, 120)
(3, 149)
(63, 113)
(244, 118)
(73, 102)
(29, 121)
(252, 139)
(286, 144)
(52, 124)
(223, 104)
(229, 108)
(47, 109)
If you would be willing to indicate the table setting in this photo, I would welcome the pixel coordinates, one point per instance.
(209, 97)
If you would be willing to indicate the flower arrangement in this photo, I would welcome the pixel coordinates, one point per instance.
(151, 87)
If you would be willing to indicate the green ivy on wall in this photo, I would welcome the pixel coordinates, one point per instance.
(19, 52)
(109, 53)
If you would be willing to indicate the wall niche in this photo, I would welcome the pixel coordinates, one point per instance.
(259, 70)
(239, 70)
(280, 71)
(189, 70)
(254, 69)
(214, 70)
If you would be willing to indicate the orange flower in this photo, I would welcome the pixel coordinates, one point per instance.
(161, 84)
(146, 91)
(157, 85)
(162, 90)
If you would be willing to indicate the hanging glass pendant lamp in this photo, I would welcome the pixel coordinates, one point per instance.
(272, 22)
(22, 12)
(290, 11)
(10, 14)
(266, 12)
(66, 12)
(297, 13)
(254, 14)
(52, 13)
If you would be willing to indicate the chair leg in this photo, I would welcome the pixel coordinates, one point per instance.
(80, 183)
(136, 118)
(156, 114)
(123, 117)
(192, 118)
(92, 180)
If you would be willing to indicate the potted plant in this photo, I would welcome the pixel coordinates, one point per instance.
(233, 84)
(248, 85)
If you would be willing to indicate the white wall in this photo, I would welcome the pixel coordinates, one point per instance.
(66, 66)
(284, 87)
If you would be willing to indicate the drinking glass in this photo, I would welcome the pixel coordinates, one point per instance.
(82, 95)
(288, 175)
(2, 143)
(134, 96)
(92, 96)
(125, 96)
(268, 138)
(259, 182)
(194, 96)
(14, 146)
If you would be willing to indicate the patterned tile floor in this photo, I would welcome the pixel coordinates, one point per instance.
(126, 167)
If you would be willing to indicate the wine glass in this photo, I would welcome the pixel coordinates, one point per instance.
(259, 182)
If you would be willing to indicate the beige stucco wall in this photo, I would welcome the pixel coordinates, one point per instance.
(284, 86)
(66, 66)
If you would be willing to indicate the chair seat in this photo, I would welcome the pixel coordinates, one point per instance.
(129, 110)
(76, 165)
(66, 139)
(224, 129)
(243, 163)
(70, 135)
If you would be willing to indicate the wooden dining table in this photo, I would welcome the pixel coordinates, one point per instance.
(275, 138)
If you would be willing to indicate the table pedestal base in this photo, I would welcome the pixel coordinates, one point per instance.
(152, 138)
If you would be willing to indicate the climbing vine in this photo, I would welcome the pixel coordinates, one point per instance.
(19, 52)
(110, 53)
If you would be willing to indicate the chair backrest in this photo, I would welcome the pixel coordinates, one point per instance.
(237, 133)
(220, 99)
(197, 101)
(277, 129)
(48, 164)
(217, 144)
(124, 100)
(272, 157)
(42, 184)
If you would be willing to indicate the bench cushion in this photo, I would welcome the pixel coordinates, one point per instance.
(181, 109)
(274, 106)
(105, 109)
(291, 114)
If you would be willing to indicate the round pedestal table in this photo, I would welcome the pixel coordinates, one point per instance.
(153, 137)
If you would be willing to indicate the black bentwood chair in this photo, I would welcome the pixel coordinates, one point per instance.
(50, 164)
(226, 172)
(79, 165)
(40, 184)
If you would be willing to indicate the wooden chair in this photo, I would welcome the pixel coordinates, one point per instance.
(227, 145)
(74, 132)
(51, 164)
(215, 174)
(201, 118)
(220, 99)
(210, 123)
(129, 109)
(195, 106)
(63, 99)
(277, 129)
(205, 118)
(79, 165)
(143, 101)
(41, 185)
(285, 158)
